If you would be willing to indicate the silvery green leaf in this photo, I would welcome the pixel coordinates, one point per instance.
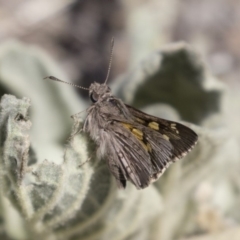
(22, 71)
(43, 193)
(62, 197)
(174, 75)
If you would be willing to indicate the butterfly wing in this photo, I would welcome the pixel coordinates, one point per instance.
(126, 157)
(116, 170)
(137, 147)
(181, 138)
(129, 153)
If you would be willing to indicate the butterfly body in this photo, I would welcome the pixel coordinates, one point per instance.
(136, 146)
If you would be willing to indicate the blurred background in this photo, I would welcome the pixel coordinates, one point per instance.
(77, 34)
(179, 58)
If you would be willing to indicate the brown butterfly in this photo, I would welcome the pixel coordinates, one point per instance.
(136, 146)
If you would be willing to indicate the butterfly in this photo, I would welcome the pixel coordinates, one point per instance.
(137, 147)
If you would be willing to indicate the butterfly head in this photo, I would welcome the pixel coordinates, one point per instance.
(98, 92)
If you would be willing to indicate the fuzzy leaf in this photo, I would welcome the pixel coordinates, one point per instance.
(174, 75)
(66, 198)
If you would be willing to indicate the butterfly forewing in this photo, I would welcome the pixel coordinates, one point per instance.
(146, 150)
(181, 137)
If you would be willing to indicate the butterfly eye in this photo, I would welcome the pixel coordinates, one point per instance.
(94, 97)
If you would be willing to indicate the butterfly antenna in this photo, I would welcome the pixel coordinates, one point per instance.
(58, 80)
(110, 61)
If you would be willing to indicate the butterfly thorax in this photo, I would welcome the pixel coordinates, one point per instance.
(104, 111)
